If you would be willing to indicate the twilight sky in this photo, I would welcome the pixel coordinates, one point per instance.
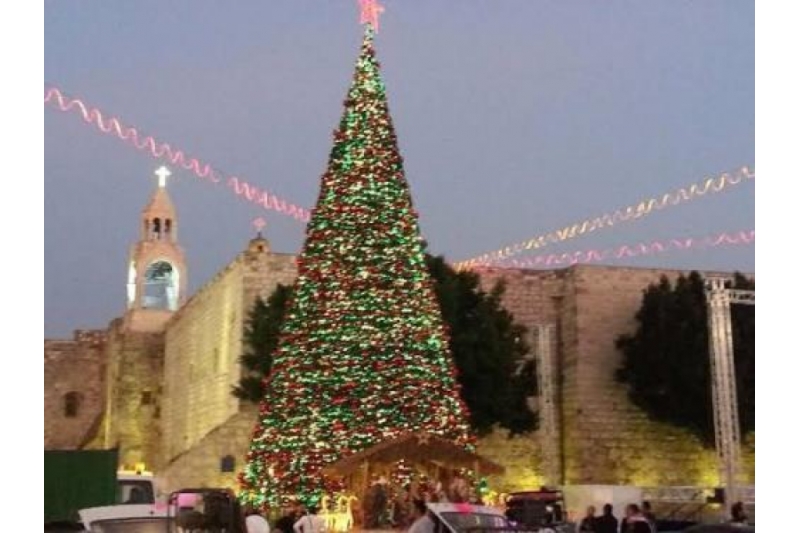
(514, 117)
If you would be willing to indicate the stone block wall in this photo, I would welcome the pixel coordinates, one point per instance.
(204, 345)
(168, 403)
(263, 270)
(604, 438)
(520, 455)
(618, 443)
(73, 366)
(201, 465)
(133, 411)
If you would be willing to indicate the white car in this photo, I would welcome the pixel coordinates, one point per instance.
(469, 518)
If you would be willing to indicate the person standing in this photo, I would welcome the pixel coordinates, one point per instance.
(634, 521)
(738, 515)
(649, 515)
(285, 523)
(422, 521)
(254, 522)
(607, 523)
(589, 522)
(310, 523)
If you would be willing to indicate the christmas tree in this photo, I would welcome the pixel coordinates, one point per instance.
(363, 355)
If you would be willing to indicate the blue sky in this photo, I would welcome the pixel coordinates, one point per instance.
(514, 117)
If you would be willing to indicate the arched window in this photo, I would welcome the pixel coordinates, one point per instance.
(157, 227)
(227, 464)
(160, 287)
(167, 226)
(72, 404)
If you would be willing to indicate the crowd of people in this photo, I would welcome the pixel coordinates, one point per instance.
(637, 519)
(404, 507)
(299, 519)
(393, 506)
(383, 505)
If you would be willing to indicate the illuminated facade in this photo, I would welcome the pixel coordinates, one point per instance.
(157, 381)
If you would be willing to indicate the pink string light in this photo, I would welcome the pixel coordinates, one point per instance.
(636, 250)
(633, 212)
(267, 200)
(160, 150)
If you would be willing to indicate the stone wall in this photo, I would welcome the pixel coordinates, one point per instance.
(204, 345)
(170, 404)
(520, 455)
(604, 438)
(203, 342)
(73, 366)
(618, 443)
(133, 409)
(201, 465)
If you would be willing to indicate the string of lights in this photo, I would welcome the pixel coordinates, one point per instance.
(627, 251)
(633, 212)
(161, 150)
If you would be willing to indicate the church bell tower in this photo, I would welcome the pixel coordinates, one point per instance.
(156, 266)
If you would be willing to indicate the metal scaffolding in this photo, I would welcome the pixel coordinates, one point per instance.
(548, 407)
(723, 380)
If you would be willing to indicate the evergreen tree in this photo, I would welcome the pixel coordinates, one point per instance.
(260, 341)
(363, 353)
(488, 347)
(489, 350)
(666, 361)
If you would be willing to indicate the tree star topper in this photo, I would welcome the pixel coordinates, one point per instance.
(370, 11)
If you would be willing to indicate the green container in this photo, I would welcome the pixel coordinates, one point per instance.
(77, 479)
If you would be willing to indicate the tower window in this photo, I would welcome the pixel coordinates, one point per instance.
(160, 287)
(157, 228)
(72, 404)
(227, 464)
(167, 226)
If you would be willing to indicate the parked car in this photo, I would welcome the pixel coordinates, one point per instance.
(469, 518)
(538, 510)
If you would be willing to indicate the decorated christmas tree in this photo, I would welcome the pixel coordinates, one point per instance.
(363, 355)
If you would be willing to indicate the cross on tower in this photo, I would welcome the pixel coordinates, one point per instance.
(370, 11)
(163, 173)
(259, 223)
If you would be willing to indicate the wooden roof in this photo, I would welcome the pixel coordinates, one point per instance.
(416, 448)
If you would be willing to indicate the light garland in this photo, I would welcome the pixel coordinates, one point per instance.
(635, 250)
(161, 150)
(632, 212)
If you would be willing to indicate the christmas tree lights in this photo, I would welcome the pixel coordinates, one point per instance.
(363, 355)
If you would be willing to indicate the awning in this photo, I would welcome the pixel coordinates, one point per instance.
(416, 448)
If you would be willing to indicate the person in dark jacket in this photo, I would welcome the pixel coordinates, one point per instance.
(607, 523)
(647, 512)
(634, 521)
(738, 515)
(589, 522)
(285, 524)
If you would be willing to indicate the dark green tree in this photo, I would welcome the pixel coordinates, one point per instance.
(489, 350)
(488, 347)
(665, 363)
(260, 340)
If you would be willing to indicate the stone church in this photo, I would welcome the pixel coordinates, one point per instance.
(156, 383)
